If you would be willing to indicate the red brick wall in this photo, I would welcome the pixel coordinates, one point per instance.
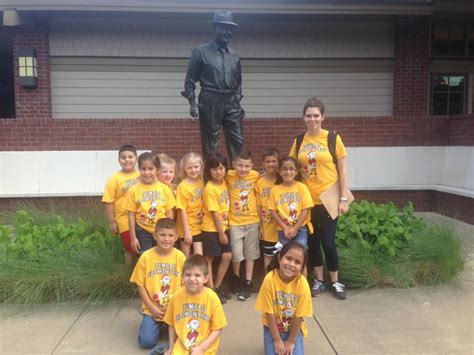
(411, 66)
(33, 103)
(178, 136)
(461, 130)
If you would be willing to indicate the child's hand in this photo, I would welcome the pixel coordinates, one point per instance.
(289, 347)
(113, 228)
(279, 347)
(293, 232)
(169, 351)
(135, 244)
(197, 351)
(188, 238)
(223, 238)
(158, 312)
(287, 230)
(260, 232)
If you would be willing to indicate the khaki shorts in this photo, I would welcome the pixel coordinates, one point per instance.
(244, 242)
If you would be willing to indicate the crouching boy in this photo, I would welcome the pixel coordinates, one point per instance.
(157, 275)
(195, 315)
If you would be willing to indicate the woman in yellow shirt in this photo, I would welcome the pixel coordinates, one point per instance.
(319, 173)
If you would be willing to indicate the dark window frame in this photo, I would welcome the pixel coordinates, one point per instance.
(466, 93)
(466, 25)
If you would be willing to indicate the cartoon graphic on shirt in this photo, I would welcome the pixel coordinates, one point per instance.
(191, 337)
(287, 315)
(265, 215)
(312, 163)
(244, 200)
(165, 290)
(151, 214)
(292, 213)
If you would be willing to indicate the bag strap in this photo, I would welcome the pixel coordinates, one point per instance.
(299, 140)
(332, 136)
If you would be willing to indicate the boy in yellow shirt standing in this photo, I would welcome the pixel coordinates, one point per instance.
(157, 275)
(244, 221)
(195, 315)
(115, 199)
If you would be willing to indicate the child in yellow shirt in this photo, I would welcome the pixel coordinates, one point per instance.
(189, 203)
(148, 201)
(290, 203)
(158, 276)
(284, 299)
(115, 199)
(167, 172)
(263, 188)
(244, 221)
(195, 315)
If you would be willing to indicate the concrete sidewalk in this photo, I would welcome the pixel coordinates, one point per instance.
(382, 321)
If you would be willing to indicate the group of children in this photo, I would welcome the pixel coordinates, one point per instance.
(231, 214)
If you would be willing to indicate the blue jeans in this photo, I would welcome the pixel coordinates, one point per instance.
(149, 333)
(300, 238)
(270, 348)
(145, 239)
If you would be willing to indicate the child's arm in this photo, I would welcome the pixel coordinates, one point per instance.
(157, 312)
(295, 328)
(280, 222)
(204, 345)
(133, 236)
(171, 338)
(260, 225)
(301, 219)
(188, 238)
(217, 222)
(109, 212)
(278, 344)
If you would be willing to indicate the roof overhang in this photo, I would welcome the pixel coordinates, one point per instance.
(296, 7)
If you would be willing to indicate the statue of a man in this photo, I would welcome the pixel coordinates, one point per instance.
(217, 68)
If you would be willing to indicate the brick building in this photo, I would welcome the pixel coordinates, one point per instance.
(397, 78)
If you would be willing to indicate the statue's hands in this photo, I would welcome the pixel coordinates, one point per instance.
(193, 110)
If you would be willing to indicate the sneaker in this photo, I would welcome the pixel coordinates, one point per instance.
(244, 293)
(338, 290)
(318, 287)
(223, 293)
(235, 284)
(221, 297)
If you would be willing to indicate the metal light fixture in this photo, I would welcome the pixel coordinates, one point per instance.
(27, 67)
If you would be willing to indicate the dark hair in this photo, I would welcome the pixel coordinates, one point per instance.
(298, 176)
(271, 152)
(165, 223)
(151, 157)
(128, 148)
(244, 154)
(314, 102)
(275, 262)
(198, 261)
(213, 160)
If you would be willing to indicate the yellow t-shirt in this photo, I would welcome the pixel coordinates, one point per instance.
(193, 318)
(115, 192)
(159, 275)
(290, 201)
(189, 199)
(317, 168)
(263, 189)
(285, 301)
(215, 199)
(150, 203)
(243, 207)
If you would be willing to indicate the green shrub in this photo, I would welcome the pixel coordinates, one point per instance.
(51, 258)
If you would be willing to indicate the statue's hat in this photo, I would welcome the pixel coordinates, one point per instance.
(225, 17)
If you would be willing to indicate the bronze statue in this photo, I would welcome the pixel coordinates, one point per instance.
(217, 69)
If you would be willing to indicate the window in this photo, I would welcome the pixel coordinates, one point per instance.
(7, 87)
(448, 94)
(453, 40)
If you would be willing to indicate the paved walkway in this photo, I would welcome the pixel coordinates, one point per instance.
(382, 321)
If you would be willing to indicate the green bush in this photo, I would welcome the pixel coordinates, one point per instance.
(380, 245)
(50, 258)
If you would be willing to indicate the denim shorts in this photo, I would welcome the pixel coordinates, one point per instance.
(270, 348)
(301, 237)
(145, 239)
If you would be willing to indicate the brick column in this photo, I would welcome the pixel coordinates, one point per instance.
(411, 77)
(33, 103)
